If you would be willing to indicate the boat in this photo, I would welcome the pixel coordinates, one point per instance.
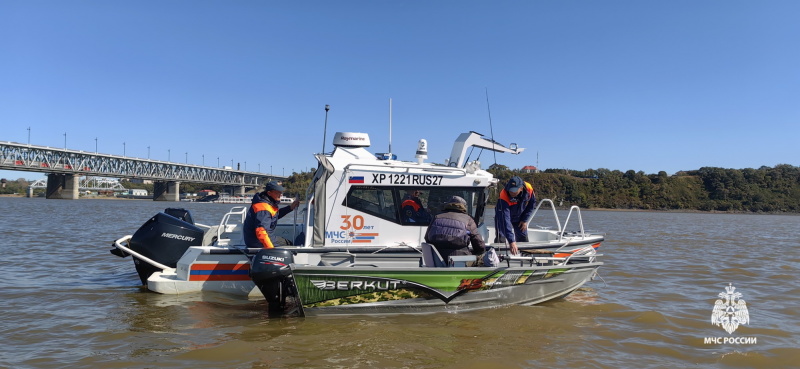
(231, 199)
(355, 253)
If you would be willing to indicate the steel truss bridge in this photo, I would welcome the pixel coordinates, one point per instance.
(65, 163)
(89, 183)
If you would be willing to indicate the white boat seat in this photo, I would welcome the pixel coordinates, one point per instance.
(210, 236)
(233, 234)
(431, 257)
(460, 261)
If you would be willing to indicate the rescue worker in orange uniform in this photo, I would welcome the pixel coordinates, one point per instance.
(413, 210)
(262, 218)
(514, 209)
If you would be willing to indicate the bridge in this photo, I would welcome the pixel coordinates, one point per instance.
(64, 168)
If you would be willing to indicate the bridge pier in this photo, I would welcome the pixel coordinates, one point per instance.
(62, 186)
(239, 190)
(166, 191)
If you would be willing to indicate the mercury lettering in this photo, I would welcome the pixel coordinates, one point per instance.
(177, 237)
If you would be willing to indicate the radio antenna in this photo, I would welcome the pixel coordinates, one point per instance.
(325, 130)
(491, 130)
(390, 127)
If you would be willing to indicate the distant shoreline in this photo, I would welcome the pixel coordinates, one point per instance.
(673, 211)
(492, 207)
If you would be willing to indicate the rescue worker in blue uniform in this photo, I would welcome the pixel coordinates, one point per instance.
(514, 209)
(413, 210)
(262, 218)
(453, 230)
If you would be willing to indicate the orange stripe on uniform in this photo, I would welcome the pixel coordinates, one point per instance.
(262, 206)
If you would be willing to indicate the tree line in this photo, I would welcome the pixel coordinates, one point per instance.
(763, 190)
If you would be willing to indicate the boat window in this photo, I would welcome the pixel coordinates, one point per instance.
(372, 200)
(434, 199)
(417, 206)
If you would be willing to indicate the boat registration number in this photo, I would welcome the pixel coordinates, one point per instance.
(407, 179)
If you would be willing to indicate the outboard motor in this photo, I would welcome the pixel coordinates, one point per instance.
(272, 275)
(181, 214)
(164, 238)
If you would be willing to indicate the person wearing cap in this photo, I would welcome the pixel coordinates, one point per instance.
(413, 210)
(512, 212)
(453, 230)
(262, 218)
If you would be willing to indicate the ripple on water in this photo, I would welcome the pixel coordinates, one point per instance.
(67, 302)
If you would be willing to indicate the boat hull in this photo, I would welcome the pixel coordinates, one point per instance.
(382, 291)
(225, 269)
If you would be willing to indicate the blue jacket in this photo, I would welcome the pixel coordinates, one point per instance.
(261, 220)
(510, 211)
(414, 212)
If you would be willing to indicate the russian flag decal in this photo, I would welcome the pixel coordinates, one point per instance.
(356, 179)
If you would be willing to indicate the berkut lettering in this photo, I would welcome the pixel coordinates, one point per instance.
(177, 237)
(356, 285)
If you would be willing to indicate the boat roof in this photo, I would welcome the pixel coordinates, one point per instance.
(351, 152)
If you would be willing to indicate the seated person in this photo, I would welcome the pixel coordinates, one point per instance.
(453, 230)
(412, 209)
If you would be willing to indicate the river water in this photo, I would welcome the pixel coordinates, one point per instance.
(66, 302)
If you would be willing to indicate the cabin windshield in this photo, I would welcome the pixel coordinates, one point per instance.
(413, 206)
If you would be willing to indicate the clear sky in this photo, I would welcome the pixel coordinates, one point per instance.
(642, 85)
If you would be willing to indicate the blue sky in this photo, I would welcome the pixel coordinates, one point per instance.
(642, 85)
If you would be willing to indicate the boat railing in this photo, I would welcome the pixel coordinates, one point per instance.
(125, 239)
(231, 220)
(561, 229)
(587, 254)
(577, 210)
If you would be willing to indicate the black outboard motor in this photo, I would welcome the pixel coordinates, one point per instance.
(181, 214)
(272, 275)
(164, 238)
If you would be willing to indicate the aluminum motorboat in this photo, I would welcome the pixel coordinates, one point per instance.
(352, 223)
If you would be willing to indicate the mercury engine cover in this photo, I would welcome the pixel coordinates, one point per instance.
(181, 214)
(164, 238)
(272, 275)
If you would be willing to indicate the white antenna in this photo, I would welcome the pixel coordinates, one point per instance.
(390, 127)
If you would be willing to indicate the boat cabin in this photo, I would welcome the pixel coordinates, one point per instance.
(358, 198)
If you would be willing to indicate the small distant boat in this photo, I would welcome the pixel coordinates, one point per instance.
(228, 199)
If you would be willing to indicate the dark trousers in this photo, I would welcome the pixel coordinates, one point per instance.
(520, 235)
(279, 241)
